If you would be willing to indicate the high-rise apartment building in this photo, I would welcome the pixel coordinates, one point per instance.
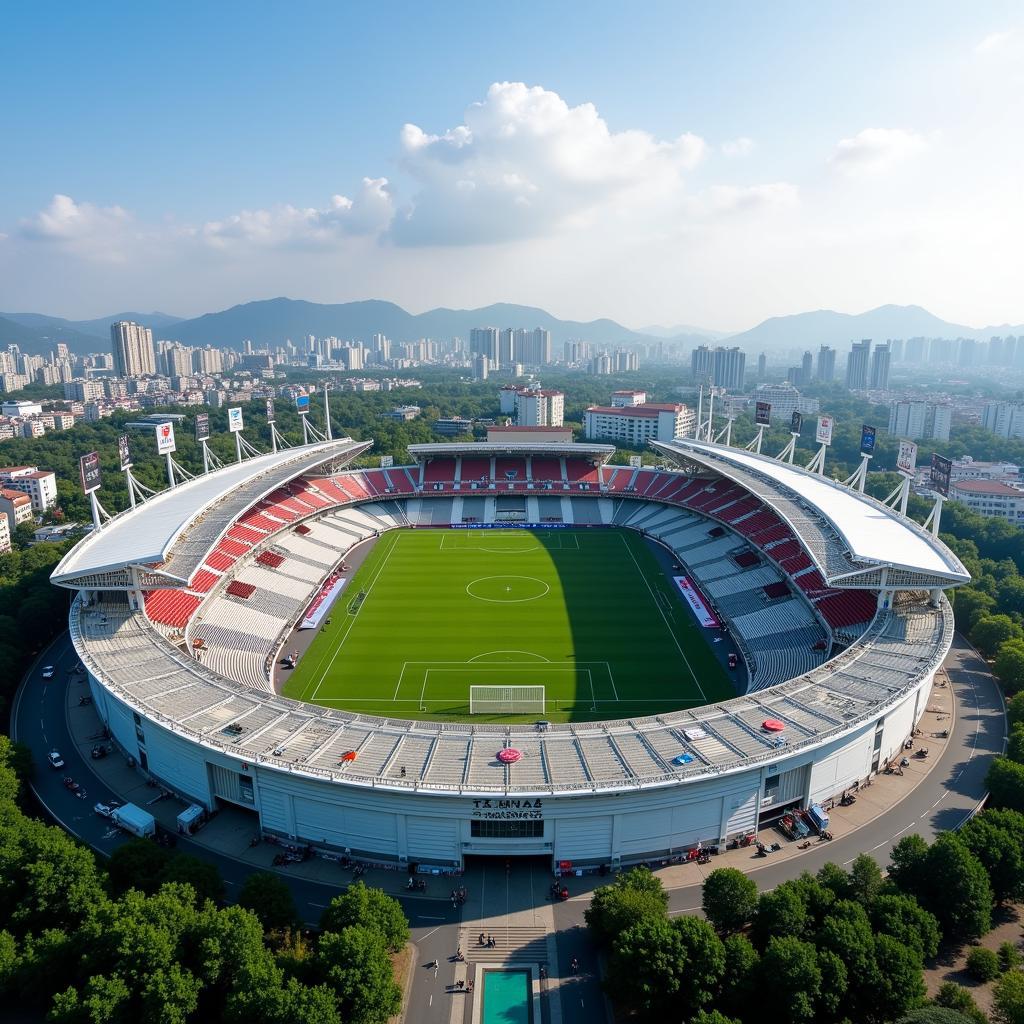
(483, 341)
(506, 345)
(880, 361)
(702, 364)
(539, 350)
(857, 365)
(729, 368)
(1004, 418)
(826, 370)
(132, 346)
(762, 366)
(914, 420)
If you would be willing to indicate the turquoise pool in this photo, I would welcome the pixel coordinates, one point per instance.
(508, 997)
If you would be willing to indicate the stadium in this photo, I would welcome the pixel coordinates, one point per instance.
(510, 648)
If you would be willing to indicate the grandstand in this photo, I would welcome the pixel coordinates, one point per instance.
(835, 602)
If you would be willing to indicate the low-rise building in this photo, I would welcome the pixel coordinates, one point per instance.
(624, 399)
(972, 469)
(990, 498)
(402, 413)
(5, 536)
(16, 507)
(529, 435)
(452, 426)
(636, 425)
(39, 485)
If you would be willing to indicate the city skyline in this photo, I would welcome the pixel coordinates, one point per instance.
(527, 174)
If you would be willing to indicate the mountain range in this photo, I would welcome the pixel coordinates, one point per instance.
(271, 321)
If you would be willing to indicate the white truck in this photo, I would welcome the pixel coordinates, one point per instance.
(135, 820)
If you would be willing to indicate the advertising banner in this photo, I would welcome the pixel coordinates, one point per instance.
(636, 461)
(89, 471)
(270, 410)
(867, 439)
(906, 460)
(235, 419)
(387, 461)
(705, 616)
(165, 439)
(823, 435)
(796, 423)
(202, 426)
(124, 452)
(302, 404)
(763, 413)
(942, 468)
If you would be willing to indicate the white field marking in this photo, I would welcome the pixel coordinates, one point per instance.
(529, 654)
(661, 611)
(369, 588)
(511, 600)
(612, 680)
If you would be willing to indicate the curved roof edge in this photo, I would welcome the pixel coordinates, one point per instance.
(151, 532)
(601, 452)
(873, 533)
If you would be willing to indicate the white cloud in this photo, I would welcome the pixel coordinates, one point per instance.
(524, 163)
(740, 198)
(876, 150)
(738, 147)
(96, 232)
(289, 226)
(993, 41)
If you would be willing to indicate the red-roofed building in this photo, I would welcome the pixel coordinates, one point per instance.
(16, 507)
(990, 498)
(637, 424)
(39, 485)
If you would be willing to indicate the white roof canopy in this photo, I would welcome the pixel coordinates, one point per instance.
(150, 532)
(872, 532)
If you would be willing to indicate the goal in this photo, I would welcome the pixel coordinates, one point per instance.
(506, 700)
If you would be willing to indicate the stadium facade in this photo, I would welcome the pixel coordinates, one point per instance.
(183, 605)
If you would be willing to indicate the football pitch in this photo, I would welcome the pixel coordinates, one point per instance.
(587, 614)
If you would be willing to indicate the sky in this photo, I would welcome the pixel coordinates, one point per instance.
(657, 163)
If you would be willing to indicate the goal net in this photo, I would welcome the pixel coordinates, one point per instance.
(506, 700)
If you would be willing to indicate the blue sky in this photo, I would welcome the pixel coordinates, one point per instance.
(734, 162)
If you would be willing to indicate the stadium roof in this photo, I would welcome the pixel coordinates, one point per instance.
(869, 531)
(175, 527)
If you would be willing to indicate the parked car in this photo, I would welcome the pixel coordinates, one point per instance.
(56, 761)
(48, 672)
(104, 810)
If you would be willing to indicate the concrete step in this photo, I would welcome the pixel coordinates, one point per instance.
(515, 942)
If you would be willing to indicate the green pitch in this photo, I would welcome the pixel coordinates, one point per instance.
(588, 614)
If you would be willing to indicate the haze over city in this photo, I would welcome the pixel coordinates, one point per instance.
(672, 166)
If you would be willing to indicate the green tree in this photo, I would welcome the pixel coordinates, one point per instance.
(907, 921)
(712, 1017)
(1009, 956)
(371, 908)
(730, 899)
(983, 964)
(996, 838)
(901, 984)
(992, 631)
(790, 980)
(200, 874)
(908, 870)
(1015, 710)
(865, 879)
(355, 964)
(662, 968)
(270, 899)
(632, 896)
(1008, 999)
(780, 913)
(958, 891)
(934, 1015)
(1005, 783)
(740, 977)
(137, 864)
(956, 997)
(1009, 665)
(970, 606)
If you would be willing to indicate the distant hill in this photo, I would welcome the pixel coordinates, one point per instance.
(41, 340)
(99, 328)
(273, 320)
(682, 331)
(827, 327)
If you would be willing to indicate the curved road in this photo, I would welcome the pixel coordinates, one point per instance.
(943, 799)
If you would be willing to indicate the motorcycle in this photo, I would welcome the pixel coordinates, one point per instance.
(847, 799)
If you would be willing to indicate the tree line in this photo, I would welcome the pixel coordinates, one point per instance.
(826, 948)
(147, 938)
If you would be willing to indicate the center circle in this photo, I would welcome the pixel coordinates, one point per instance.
(507, 589)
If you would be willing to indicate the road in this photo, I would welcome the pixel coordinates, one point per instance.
(944, 799)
